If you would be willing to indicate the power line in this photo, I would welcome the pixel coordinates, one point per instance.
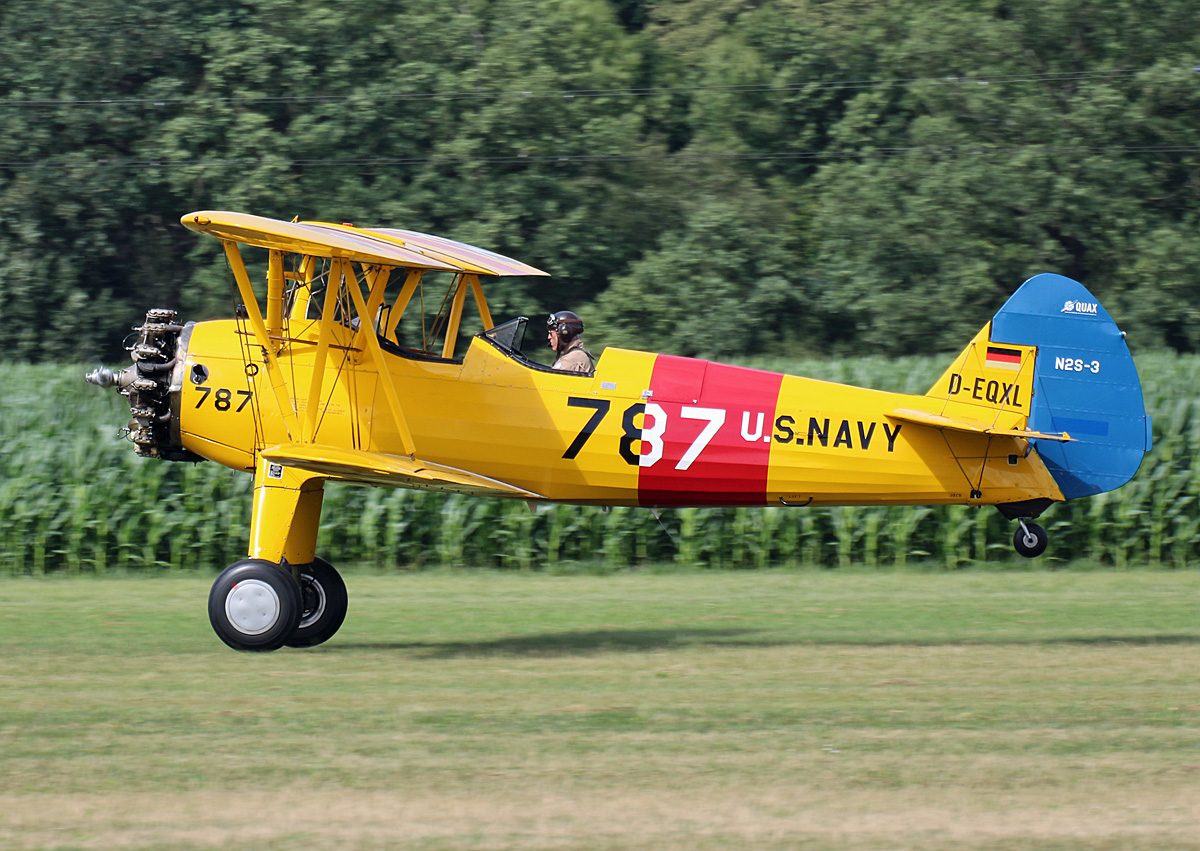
(380, 162)
(750, 88)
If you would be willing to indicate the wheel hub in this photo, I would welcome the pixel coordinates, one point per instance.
(252, 607)
(314, 601)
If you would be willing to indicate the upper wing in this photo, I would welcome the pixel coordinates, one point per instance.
(397, 471)
(977, 426)
(305, 239)
(384, 246)
(468, 258)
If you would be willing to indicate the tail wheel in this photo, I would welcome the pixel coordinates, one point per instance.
(324, 602)
(254, 605)
(1030, 539)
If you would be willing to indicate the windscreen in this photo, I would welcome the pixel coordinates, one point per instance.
(509, 335)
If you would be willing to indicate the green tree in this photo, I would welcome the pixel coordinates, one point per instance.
(80, 223)
(892, 156)
(724, 283)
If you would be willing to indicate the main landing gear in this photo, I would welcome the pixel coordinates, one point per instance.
(258, 605)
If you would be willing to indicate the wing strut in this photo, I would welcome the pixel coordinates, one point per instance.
(376, 279)
(324, 336)
(480, 301)
(385, 378)
(302, 294)
(460, 296)
(274, 318)
(274, 372)
(402, 300)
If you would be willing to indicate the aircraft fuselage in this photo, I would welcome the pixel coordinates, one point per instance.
(645, 429)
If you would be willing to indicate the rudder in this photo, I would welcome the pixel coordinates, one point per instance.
(1084, 383)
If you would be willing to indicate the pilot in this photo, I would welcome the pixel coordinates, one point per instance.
(564, 332)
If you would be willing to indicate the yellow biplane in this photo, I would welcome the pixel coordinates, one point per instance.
(341, 375)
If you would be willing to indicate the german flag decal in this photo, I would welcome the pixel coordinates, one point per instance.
(999, 358)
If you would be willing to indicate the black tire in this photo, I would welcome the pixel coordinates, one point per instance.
(254, 605)
(1031, 540)
(323, 605)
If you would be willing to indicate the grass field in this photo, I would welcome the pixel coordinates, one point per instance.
(759, 710)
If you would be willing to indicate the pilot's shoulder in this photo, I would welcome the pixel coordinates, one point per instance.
(575, 360)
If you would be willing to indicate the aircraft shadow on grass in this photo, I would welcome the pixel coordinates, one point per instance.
(575, 642)
(583, 642)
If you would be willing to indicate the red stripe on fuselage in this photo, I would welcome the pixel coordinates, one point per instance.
(715, 434)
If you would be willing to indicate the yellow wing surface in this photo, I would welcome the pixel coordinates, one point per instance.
(467, 258)
(385, 246)
(378, 468)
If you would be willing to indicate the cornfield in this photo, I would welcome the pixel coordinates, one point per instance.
(74, 497)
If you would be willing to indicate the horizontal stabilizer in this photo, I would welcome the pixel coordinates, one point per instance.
(910, 415)
(377, 468)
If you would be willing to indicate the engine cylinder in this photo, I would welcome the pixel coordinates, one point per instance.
(160, 346)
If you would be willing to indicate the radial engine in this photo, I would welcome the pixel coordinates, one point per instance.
(153, 384)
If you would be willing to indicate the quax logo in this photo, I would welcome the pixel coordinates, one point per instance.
(1088, 307)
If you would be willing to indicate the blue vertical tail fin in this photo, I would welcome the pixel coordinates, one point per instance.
(1085, 383)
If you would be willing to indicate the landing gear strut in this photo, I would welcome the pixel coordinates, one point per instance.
(258, 605)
